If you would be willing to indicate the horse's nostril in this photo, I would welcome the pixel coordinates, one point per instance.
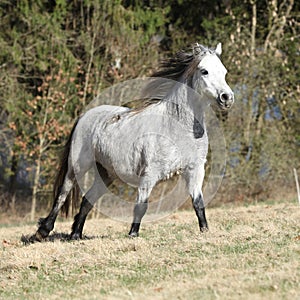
(224, 97)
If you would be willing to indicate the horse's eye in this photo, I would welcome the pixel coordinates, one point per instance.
(204, 72)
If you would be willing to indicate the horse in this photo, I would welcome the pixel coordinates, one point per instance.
(172, 139)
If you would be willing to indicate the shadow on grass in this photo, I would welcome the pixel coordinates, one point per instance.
(56, 236)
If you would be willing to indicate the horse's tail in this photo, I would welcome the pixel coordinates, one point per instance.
(73, 197)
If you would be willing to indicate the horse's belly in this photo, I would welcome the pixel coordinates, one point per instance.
(118, 163)
(127, 175)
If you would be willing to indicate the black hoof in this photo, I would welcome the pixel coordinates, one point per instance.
(37, 237)
(203, 229)
(31, 239)
(75, 236)
(133, 234)
(40, 235)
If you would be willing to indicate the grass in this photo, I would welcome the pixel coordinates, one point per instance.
(250, 252)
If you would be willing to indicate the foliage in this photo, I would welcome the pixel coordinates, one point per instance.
(56, 56)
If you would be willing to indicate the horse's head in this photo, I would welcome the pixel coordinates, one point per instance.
(209, 77)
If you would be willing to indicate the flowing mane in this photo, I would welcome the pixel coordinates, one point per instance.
(183, 64)
(178, 68)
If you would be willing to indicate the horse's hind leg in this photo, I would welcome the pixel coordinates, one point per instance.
(88, 201)
(79, 219)
(140, 209)
(47, 224)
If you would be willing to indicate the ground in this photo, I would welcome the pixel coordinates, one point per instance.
(250, 252)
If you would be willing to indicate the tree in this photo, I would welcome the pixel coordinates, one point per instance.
(260, 51)
(56, 58)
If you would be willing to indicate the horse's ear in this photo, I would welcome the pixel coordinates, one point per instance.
(198, 48)
(219, 49)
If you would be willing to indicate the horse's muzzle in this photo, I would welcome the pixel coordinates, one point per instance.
(225, 100)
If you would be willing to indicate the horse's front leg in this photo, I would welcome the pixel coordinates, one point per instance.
(199, 207)
(194, 180)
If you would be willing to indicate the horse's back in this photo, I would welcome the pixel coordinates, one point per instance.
(86, 133)
(96, 118)
(102, 113)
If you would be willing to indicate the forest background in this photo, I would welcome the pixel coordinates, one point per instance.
(57, 56)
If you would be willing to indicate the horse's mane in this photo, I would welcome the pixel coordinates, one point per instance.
(183, 63)
(178, 68)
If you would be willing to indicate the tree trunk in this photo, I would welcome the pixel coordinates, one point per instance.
(13, 173)
(253, 30)
(12, 182)
(35, 188)
(249, 116)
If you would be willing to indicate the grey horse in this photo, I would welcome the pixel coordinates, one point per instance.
(146, 145)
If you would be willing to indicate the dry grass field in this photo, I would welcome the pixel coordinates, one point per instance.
(250, 252)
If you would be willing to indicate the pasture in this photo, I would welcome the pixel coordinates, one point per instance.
(250, 252)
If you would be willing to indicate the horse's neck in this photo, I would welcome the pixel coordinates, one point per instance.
(185, 104)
